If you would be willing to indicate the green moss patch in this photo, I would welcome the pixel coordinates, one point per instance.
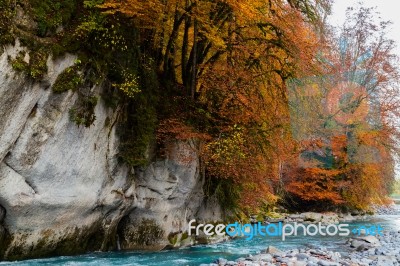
(37, 66)
(69, 79)
(50, 14)
(6, 14)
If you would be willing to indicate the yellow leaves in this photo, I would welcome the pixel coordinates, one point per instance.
(108, 37)
(129, 86)
(249, 10)
(242, 52)
(213, 35)
(366, 185)
(264, 196)
(228, 148)
(369, 138)
(146, 12)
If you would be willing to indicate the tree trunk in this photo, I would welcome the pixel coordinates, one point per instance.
(194, 71)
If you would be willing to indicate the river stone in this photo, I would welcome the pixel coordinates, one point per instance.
(362, 247)
(336, 256)
(386, 261)
(313, 217)
(275, 220)
(293, 252)
(300, 263)
(221, 261)
(328, 263)
(313, 259)
(302, 256)
(295, 216)
(371, 251)
(366, 261)
(282, 260)
(370, 239)
(355, 243)
(274, 251)
(262, 257)
(318, 252)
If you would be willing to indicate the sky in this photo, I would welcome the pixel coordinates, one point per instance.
(388, 9)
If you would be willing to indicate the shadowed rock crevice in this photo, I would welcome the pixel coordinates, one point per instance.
(4, 235)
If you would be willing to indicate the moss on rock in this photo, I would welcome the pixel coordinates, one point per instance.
(6, 14)
(75, 241)
(35, 68)
(69, 79)
(145, 234)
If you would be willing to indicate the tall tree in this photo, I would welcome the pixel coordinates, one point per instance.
(352, 110)
(232, 58)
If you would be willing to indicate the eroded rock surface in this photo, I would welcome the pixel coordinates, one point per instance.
(62, 188)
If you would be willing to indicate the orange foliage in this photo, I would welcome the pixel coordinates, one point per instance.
(232, 60)
(316, 184)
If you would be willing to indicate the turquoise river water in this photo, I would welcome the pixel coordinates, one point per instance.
(208, 253)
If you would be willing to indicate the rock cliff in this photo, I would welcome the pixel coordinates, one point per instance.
(63, 189)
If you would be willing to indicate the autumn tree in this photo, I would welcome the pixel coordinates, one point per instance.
(230, 61)
(351, 109)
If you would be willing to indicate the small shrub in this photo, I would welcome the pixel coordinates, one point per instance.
(37, 66)
(69, 79)
(18, 64)
(129, 86)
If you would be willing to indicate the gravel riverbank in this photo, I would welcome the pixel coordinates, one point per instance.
(382, 250)
(378, 251)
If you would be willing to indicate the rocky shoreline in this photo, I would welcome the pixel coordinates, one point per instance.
(382, 250)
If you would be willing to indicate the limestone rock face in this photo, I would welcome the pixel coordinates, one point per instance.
(168, 192)
(62, 188)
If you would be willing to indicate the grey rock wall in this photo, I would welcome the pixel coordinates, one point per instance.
(62, 188)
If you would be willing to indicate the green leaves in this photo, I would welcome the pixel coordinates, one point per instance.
(33, 64)
(69, 79)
